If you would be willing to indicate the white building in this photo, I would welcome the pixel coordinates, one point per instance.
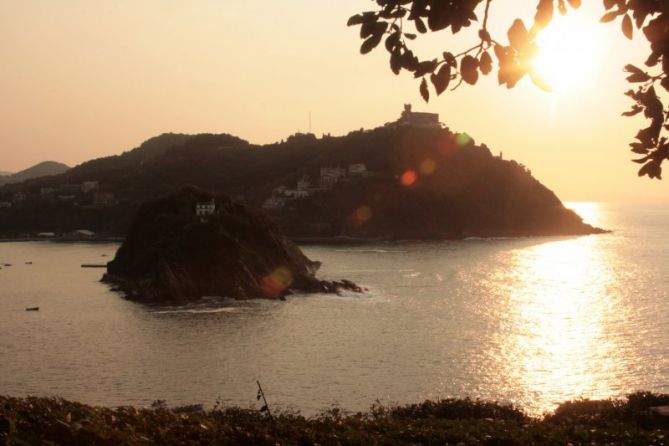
(205, 209)
(304, 183)
(331, 175)
(297, 193)
(88, 186)
(357, 169)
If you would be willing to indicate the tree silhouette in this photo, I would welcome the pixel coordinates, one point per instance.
(393, 18)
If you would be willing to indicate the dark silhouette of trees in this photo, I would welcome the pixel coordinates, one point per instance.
(398, 22)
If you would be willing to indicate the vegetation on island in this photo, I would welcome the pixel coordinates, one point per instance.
(193, 244)
(632, 421)
(399, 22)
(417, 182)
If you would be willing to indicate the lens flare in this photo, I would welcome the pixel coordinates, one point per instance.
(408, 178)
(427, 167)
(361, 215)
(276, 282)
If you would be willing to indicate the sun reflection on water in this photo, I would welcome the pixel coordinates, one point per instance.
(560, 310)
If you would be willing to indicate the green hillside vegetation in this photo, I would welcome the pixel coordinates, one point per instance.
(460, 188)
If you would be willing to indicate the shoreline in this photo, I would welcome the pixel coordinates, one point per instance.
(330, 241)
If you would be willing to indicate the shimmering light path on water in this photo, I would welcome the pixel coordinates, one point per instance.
(534, 321)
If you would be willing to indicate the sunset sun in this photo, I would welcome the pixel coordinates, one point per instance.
(568, 55)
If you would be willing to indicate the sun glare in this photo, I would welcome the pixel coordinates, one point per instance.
(569, 50)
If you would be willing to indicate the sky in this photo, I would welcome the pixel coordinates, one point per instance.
(83, 79)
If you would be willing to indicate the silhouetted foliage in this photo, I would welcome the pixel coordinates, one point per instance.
(392, 18)
(446, 422)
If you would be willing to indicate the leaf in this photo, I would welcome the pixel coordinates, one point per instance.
(371, 43)
(518, 35)
(609, 16)
(441, 79)
(424, 92)
(544, 15)
(396, 62)
(485, 63)
(608, 4)
(575, 4)
(636, 74)
(420, 25)
(427, 66)
(355, 20)
(392, 41)
(410, 36)
(627, 27)
(469, 69)
(635, 111)
(562, 8)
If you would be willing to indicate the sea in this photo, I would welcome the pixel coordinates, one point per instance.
(528, 321)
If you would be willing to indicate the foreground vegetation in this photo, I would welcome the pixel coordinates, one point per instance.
(47, 421)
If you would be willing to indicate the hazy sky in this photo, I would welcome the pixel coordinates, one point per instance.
(82, 79)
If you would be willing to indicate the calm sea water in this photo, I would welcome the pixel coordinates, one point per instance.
(533, 321)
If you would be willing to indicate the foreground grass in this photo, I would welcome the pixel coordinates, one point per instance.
(47, 421)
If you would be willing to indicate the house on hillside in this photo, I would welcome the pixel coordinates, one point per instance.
(331, 176)
(46, 191)
(357, 169)
(19, 196)
(304, 183)
(89, 186)
(205, 209)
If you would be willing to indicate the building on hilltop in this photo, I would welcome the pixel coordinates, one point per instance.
(418, 119)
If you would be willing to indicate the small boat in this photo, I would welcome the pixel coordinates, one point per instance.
(32, 309)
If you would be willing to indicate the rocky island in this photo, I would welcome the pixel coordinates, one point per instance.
(194, 243)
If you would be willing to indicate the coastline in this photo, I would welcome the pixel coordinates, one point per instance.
(326, 241)
(63, 239)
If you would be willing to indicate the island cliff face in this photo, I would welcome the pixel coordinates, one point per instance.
(194, 243)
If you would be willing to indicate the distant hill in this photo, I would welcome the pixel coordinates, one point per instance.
(42, 169)
(4, 174)
(415, 183)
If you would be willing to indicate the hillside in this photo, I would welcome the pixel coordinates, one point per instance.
(42, 169)
(410, 183)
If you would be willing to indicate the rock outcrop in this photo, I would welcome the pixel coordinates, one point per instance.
(194, 243)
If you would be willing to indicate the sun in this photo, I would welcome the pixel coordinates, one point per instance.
(569, 52)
